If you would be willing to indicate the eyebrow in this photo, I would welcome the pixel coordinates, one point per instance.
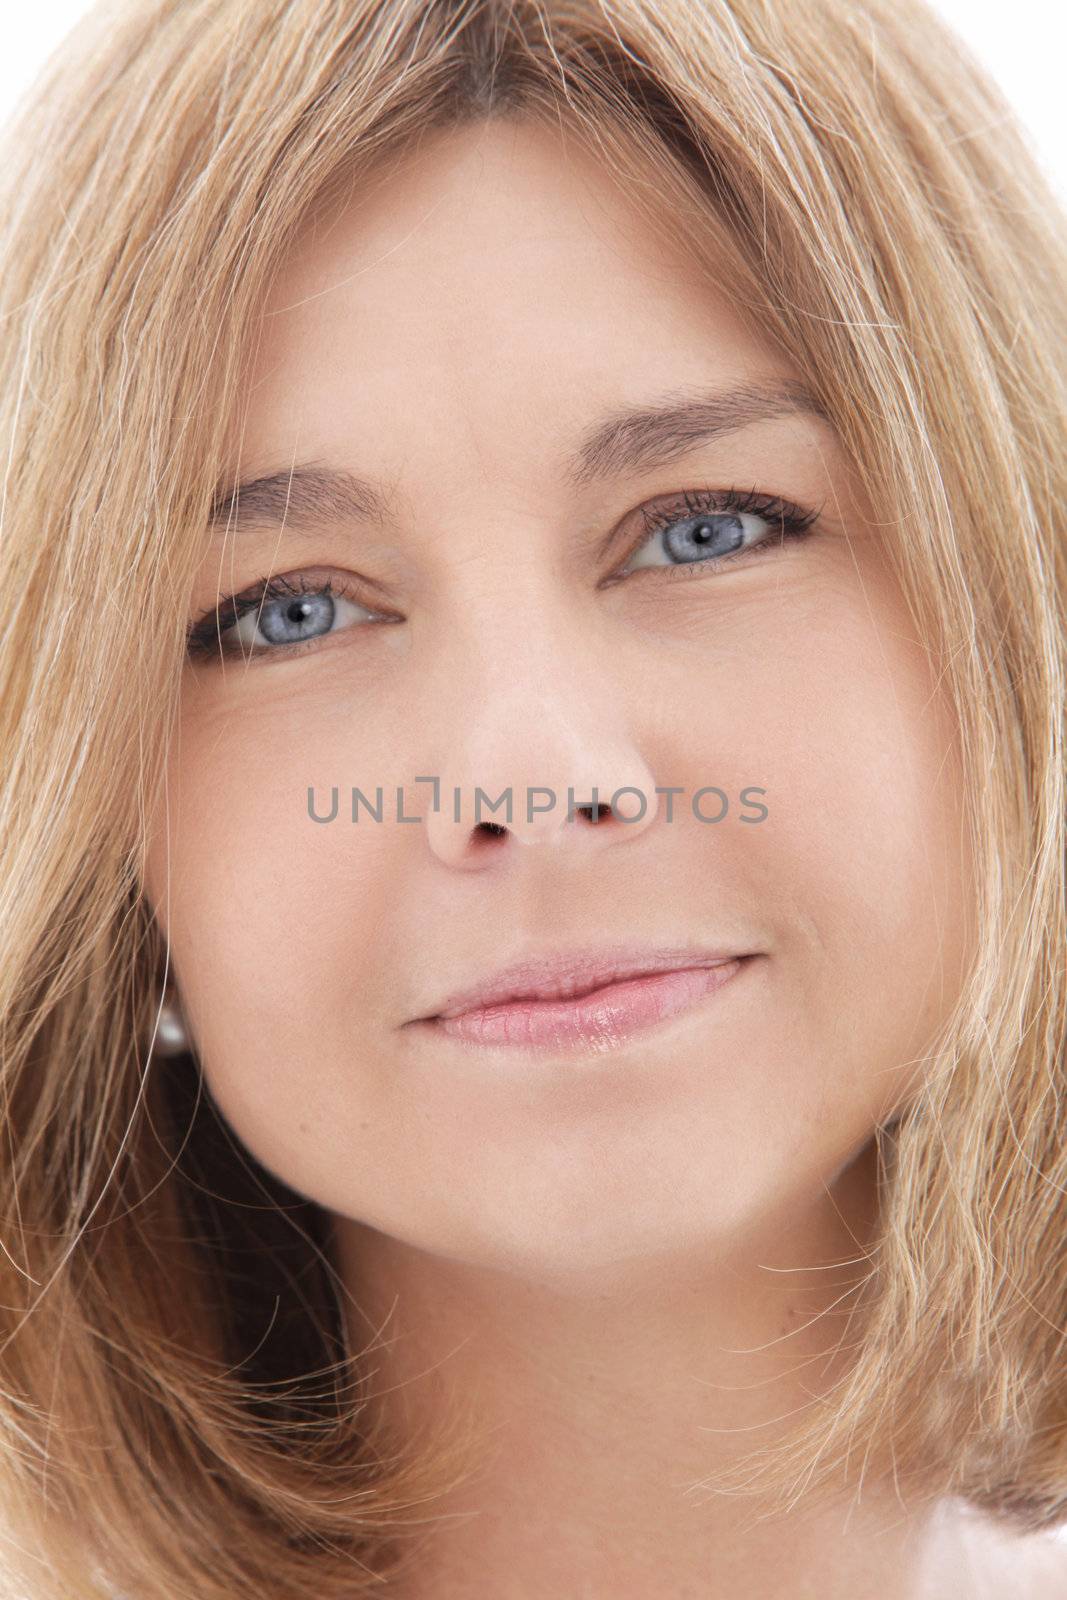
(631, 439)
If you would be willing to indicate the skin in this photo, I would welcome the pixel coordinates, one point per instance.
(620, 1258)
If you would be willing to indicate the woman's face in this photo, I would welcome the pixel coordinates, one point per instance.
(518, 608)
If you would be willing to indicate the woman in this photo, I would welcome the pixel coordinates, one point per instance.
(534, 921)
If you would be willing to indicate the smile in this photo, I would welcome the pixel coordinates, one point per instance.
(601, 1018)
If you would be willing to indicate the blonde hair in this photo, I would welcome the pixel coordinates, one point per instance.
(177, 1402)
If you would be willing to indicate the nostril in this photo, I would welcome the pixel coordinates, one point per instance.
(597, 813)
(601, 809)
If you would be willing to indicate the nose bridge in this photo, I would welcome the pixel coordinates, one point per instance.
(534, 728)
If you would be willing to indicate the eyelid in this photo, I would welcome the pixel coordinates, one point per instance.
(703, 499)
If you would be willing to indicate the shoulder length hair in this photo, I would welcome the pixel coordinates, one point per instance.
(177, 1401)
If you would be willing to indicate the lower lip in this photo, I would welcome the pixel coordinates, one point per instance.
(593, 1021)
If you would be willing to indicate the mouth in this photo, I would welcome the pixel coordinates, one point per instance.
(573, 1006)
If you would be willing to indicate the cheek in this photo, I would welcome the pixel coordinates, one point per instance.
(266, 910)
(861, 865)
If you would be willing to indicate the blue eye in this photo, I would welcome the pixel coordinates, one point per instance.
(274, 616)
(290, 619)
(711, 527)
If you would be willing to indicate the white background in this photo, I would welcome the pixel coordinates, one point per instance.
(1022, 44)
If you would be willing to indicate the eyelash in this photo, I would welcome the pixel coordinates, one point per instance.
(794, 522)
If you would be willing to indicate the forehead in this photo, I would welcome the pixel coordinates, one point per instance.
(492, 272)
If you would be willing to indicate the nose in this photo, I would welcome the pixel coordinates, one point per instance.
(540, 754)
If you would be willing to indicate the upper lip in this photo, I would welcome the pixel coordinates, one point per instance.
(569, 973)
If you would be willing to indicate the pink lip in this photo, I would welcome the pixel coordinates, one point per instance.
(571, 973)
(590, 1002)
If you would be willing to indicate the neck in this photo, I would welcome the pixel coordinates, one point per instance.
(604, 1396)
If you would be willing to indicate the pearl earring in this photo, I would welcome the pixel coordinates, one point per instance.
(171, 1039)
